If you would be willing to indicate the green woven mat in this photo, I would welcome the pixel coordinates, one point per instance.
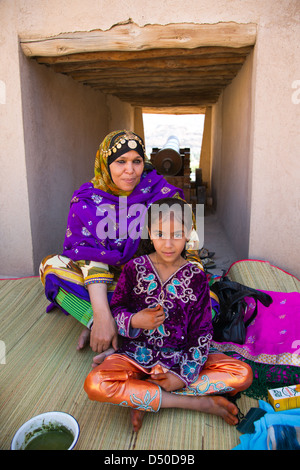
(264, 276)
(44, 372)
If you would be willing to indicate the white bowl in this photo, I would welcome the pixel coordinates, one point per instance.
(20, 439)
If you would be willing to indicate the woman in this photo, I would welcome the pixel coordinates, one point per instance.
(104, 232)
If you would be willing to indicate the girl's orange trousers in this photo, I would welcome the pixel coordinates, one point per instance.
(122, 381)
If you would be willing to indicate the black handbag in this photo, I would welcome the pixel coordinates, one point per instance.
(229, 324)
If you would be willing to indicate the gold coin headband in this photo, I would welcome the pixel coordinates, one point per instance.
(124, 143)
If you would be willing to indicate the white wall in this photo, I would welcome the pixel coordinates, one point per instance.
(15, 230)
(64, 123)
(231, 158)
(275, 200)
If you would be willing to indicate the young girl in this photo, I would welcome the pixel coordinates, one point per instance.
(162, 308)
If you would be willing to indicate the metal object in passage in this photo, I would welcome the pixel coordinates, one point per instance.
(168, 160)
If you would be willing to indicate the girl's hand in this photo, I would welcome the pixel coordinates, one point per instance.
(148, 318)
(168, 381)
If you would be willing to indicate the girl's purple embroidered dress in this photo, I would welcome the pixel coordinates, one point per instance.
(182, 342)
(180, 345)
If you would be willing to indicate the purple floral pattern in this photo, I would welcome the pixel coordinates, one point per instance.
(182, 342)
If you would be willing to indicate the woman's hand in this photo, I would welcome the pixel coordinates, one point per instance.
(167, 381)
(104, 331)
(148, 318)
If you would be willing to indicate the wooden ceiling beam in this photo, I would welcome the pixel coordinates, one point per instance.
(146, 74)
(132, 84)
(174, 110)
(163, 102)
(146, 54)
(161, 90)
(132, 37)
(153, 64)
(173, 93)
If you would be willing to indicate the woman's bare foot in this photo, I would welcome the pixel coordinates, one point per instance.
(100, 357)
(137, 417)
(84, 339)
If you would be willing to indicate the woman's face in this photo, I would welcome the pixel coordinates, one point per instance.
(126, 170)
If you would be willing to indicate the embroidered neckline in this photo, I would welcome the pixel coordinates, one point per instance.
(170, 277)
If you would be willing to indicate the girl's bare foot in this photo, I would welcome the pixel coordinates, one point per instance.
(220, 406)
(215, 404)
(100, 357)
(137, 417)
(84, 339)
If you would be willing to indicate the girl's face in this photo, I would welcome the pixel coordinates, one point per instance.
(126, 170)
(168, 238)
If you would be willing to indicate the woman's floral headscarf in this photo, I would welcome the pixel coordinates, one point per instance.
(113, 146)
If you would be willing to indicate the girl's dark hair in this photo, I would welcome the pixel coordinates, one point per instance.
(168, 205)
